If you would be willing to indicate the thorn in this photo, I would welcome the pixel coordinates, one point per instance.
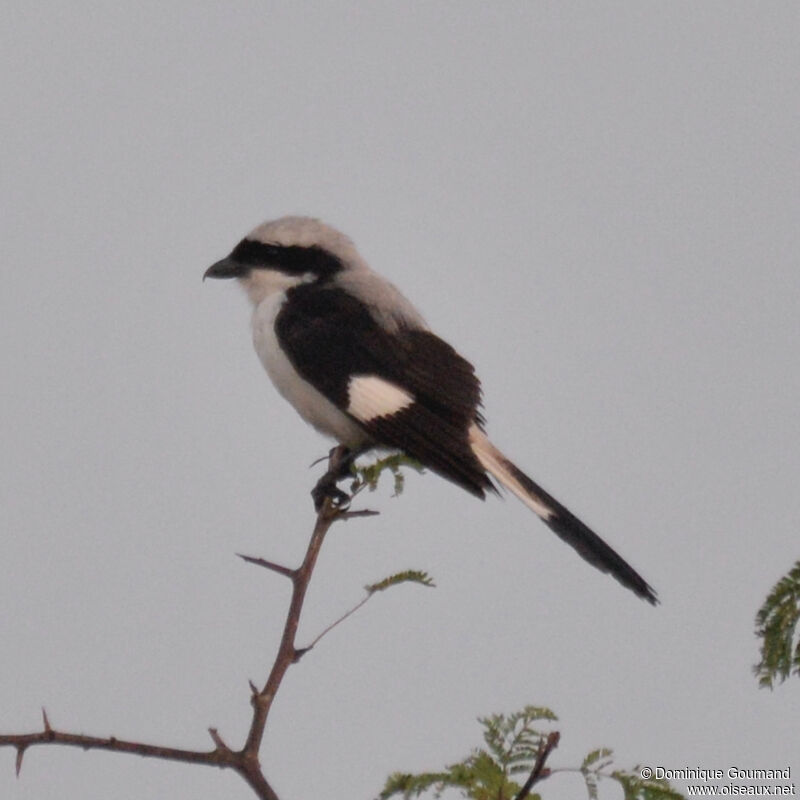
(217, 739)
(364, 512)
(47, 727)
(253, 688)
(299, 653)
(262, 562)
(18, 764)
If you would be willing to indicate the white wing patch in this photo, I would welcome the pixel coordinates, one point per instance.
(370, 397)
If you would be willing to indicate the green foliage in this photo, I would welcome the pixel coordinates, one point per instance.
(776, 626)
(407, 785)
(592, 767)
(512, 744)
(407, 576)
(635, 787)
(370, 474)
(512, 740)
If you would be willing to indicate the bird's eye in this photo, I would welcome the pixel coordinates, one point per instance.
(256, 253)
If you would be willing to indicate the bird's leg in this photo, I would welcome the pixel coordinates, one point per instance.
(340, 462)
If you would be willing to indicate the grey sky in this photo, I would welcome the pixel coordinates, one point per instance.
(597, 203)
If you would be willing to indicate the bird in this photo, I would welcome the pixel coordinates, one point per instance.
(359, 363)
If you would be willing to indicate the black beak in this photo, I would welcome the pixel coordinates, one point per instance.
(226, 268)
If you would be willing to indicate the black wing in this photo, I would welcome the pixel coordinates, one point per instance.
(330, 336)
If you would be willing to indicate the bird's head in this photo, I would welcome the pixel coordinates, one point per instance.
(286, 252)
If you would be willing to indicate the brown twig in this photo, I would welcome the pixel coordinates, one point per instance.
(216, 757)
(262, 562)
(539, 771)
(245, 762)
(287, 652)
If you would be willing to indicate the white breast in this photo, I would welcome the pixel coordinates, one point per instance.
(312, 406)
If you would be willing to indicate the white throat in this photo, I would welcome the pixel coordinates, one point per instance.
(263, 283)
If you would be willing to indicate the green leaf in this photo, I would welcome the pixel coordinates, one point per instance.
(598, 758)
(776, 626)
(591, 784)
(406, 785)
(512, 739)
(635, 787)
(407, 576)
(370, 474)
(591, 768)
(512, 745)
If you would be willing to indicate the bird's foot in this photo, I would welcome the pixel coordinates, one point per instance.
(326, 488)
(340, 463)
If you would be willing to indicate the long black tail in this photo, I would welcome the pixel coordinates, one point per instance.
(559, 519)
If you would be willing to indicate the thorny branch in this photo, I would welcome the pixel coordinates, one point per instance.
(244, 761)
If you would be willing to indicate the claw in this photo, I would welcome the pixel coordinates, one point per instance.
(326, 488)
